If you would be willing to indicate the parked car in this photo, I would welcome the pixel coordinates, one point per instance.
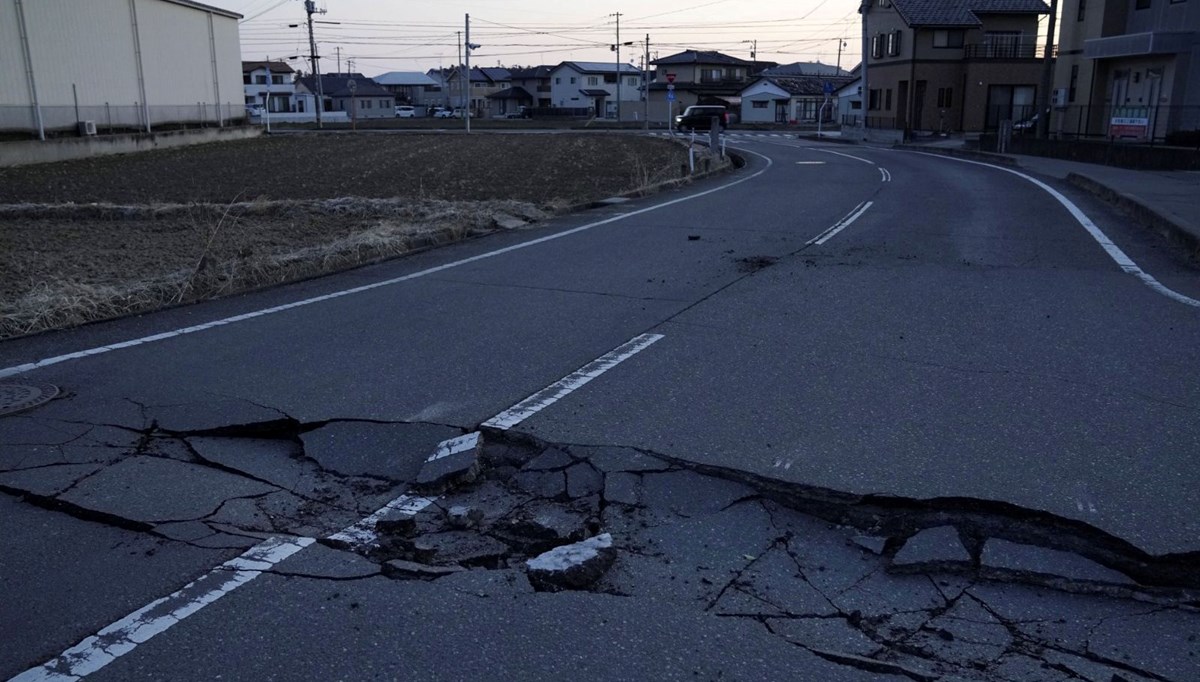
(440, 112)
(699, 117)
(459, 112)
(405, 111)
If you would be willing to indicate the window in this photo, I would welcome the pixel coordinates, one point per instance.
(759, 105)
(945, 98)
(876, 46)
(260, 80)
(873, 104)
(632, 80)
(1142, 4)
(884, 3)
(572, 80)
(246, 78)
(558, 81)
(948, 38)
(592, 80)
(893, 43)
(887, 99)
(610, 78)
(1082, 10)
(1074, 83)
(366, 104)
(856, 104)
(278, 80)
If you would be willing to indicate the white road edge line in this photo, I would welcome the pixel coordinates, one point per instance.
(564, 386)
(29, 366)
(157, 617)
(885, 174)
(830, 151)
(840, 225)
(1119, 257)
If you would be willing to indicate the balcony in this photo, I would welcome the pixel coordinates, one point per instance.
(1004, 50)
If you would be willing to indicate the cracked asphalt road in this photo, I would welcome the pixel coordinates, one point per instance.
(952, 442)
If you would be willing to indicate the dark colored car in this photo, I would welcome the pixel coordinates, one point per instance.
(699, 117)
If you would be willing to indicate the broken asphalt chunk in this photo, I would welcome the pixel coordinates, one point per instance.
(546, 484)
(540, 525)
(399, 568)
(572, 567)
(931, 547)
(583, 480)
(1012, 556)
(459, 547)
(550, 460)
(623, 488)
(455, 462)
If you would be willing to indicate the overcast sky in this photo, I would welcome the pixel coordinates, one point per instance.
(390, 35)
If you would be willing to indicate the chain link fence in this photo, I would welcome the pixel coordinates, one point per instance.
(24, 122)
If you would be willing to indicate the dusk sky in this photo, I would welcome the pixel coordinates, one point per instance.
(386, 35)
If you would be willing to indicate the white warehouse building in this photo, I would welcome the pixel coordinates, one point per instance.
(125, 65)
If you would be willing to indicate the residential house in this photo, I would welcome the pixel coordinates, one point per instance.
(530, 88)
(951, 65)
(483, 82)
(441, 81)
(850, 99)
(1128, 68)
(698, 77)
(119, 64)
(352, 93)
(804, 69)
(270, 84)
(596, 86)
(413, 88)
(791, 99)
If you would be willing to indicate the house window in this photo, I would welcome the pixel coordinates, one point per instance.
(366, 104)
(887, 99)
(572, 80)
(876, 46)
(945, 98)
(759, 105)
(873, 104)
(246, 78)
(948, 38)
(592, 80)
(278, 80)
(558, 81)
(1074, 83)
(610, 78)
(893, 43)
(856, 104)
(260, 80)
(632, 80)
(1082, 9)
(1142, 4)
(884, 3)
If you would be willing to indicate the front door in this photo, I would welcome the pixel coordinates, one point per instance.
(781, 111)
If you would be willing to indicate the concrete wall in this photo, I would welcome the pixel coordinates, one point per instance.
(87, 50)
(31, 152)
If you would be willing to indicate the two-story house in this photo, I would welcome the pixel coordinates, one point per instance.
(698, 77)
(1128, 68)
(530, 89)
(952, 65)
(409, 87)
(483, 82)
(596, 86)
(270, 84)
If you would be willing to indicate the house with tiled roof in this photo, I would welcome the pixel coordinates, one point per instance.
(597, 86)
(791, 99)
(484, 82)
(270, 85)
(951, 65)
(699, 77)
(353, 93)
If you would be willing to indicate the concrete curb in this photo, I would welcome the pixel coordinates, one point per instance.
(1141, 212)
(988, 157)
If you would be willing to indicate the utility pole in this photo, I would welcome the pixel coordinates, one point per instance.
(338, 50)
(1043, 112)
(753, 54)
(646, 86)
(864, 8)
(841, 44)
(311, 7)
(617, 49)
(470, 46)
(458, 68)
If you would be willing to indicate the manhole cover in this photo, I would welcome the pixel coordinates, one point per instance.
(17, 397)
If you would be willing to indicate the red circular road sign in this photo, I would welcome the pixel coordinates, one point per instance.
(670, 78)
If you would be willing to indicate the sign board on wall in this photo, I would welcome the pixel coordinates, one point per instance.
(1128, 128)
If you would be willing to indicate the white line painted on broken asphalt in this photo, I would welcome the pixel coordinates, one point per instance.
(455, 446)
(841, 224)
(363, 532)
(29, 366)
(564, 386)
(1119, 256)
(123, 636)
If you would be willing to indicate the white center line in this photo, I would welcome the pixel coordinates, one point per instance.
(157, 617)
(810, 163)
(564, 386)
(841, 224)
(848, 156)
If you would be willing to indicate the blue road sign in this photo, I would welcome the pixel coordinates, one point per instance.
(670, 95)
(828, 88)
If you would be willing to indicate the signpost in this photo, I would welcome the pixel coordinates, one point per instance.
(671, 103)
(352, 86)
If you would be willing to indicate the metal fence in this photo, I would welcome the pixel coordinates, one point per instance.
(1169, 124)
(109, 118)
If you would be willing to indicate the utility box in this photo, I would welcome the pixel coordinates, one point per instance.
(87, 128)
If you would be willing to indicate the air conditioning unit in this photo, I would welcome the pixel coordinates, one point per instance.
(87, 128)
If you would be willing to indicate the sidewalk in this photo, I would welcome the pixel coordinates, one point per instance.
(1165, 201)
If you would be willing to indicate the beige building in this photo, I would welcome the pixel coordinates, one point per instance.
(952, 65)
(121, 64)
(1128, 68)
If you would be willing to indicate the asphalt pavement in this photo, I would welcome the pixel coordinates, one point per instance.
(853, 347)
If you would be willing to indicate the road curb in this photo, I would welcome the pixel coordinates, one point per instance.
(989, 157)
(1142, 213)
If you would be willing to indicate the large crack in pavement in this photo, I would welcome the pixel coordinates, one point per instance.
(922, 589)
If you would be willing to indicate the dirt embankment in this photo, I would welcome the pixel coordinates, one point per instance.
(99, 238)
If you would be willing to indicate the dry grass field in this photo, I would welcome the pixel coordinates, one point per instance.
(98, 238)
